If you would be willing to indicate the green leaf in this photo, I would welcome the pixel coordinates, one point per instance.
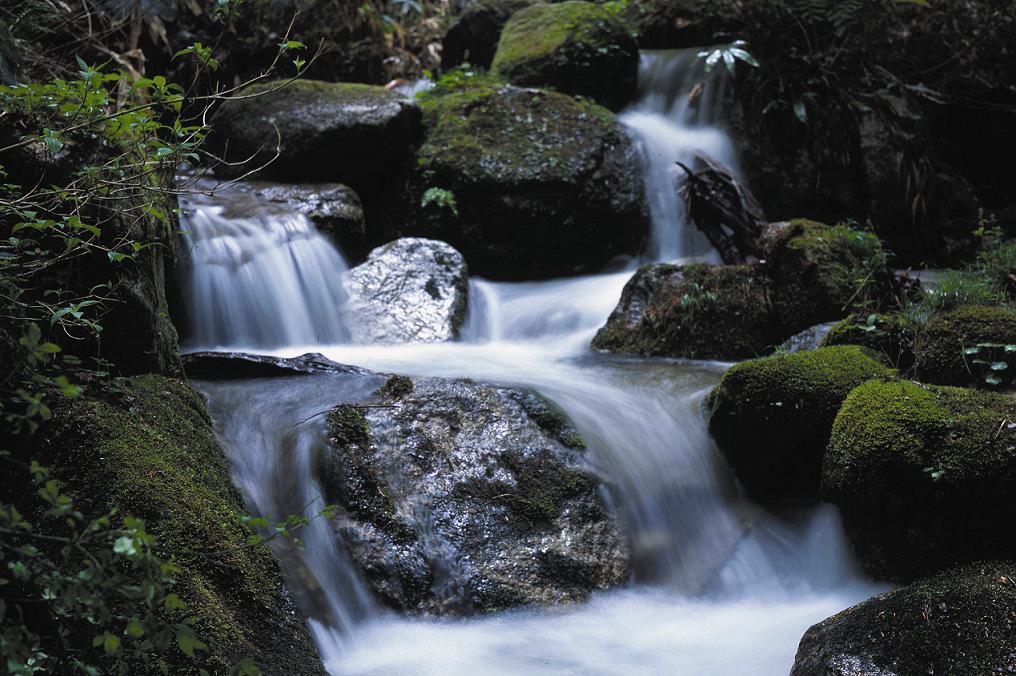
(124, 545)
(135, 629)
(188, 642)
(800, 111)
(110, 643)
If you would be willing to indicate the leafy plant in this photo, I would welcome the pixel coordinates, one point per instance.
(440, 198)
(729, 55)
(993, 362)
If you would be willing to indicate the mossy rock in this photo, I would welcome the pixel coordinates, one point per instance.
(344, 132)
(822, 272)
(941, 343)
(150, 452)
(772, 417)
(924, 475)
(696, 311)
(545, 185)
(575, 47)
(474, 35)
(885, 334)
(959, 622)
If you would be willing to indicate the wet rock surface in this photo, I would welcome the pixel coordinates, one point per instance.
(474, 36)
(410, 290)
(697, 311)
(230, 365)
(462, 498)
(959, 622)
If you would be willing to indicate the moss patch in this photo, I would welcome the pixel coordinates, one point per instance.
(884, 334)
(940, 343)
(821, 272)
(575, 47)
(151, 453)
(923, 475)
(772, 417)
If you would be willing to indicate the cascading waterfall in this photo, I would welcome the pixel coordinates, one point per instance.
(722, 586)
(262, 282)
(676, 119)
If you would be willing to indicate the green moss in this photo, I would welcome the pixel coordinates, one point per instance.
(915, 469)
(575, 47)
(512, 136)
(940, 343)
(772, 417)
(351, 480)
(152, 454)
(959, 622)
(542, 486)
(697, 311)
(821, 272)
(396, 387)
(887, 335)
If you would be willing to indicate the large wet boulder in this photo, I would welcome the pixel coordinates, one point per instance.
(960, 622)
(412, 290)
(923, 475)
(474, 36)
(462, 498)
(959, 346)
(575, 47)
(350, 133)
(772, 417)
(541, 184)
(820, 272)
(697, 311)
(148, 449)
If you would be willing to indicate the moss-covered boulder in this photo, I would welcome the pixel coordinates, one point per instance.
(575, 47)
(887, 335)
(323, 131)
(820, 272)
(697, 311)
(960, 622)
(148, 450)
(772, 417)
(543, 184)
(924, 476)
(942, 343)
(462, 498)
(474, 35)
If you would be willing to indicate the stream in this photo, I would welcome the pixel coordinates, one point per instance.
(720, 585)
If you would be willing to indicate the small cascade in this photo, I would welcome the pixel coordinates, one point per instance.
(259, 282)
(677, 118)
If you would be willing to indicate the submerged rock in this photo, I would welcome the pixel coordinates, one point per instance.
(960, 622)
(576, 47)
(924, 476)
(410, 290)
(474, 36)
(544, 185)
(941, 344)
(324, 131)
(772, 417)
(697, 311)
(149, 451)
(463, 498)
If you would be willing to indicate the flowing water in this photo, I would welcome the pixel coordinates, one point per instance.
(721, 586)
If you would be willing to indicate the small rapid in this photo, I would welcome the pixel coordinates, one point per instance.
(720, 585)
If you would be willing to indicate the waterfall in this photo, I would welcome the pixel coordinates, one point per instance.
(676, 119)
(259, 282)
(721, 585)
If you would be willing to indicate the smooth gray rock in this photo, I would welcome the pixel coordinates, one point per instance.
(462, 497)
(409, 290)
